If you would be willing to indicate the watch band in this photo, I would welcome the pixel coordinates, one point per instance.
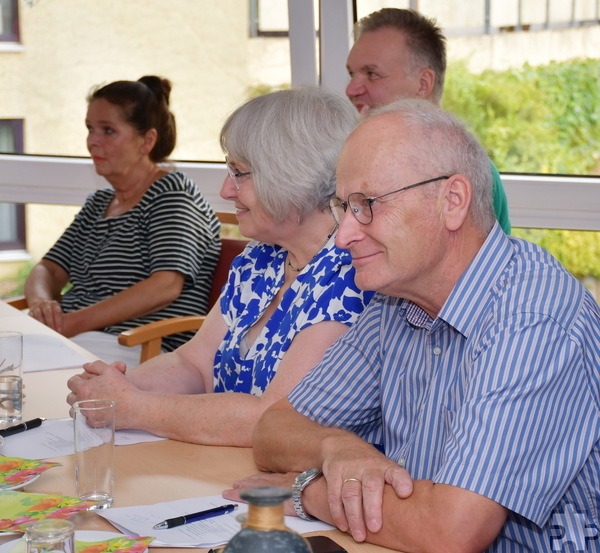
(302, 480)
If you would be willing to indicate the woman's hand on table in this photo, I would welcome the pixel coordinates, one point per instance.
(48, 312)
(101, 380)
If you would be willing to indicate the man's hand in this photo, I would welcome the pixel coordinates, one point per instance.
(278, 480)
(356, 475)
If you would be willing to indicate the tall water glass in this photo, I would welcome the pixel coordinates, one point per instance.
(94, 424)
(11, 377)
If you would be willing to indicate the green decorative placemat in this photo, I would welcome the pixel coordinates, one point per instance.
(15, 471)
(122, 544)
(18, 509)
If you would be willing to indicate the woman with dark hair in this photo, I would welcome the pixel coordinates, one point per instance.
(144, 249)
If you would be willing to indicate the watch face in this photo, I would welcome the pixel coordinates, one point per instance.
(310, 473)
(302, 480)
(305, 478)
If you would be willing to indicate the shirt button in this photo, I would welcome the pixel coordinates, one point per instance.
(437, 350)
(402, 461)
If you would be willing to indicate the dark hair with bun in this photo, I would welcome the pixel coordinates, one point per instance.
(145, 105)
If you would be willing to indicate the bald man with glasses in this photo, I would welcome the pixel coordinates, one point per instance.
(460, 412)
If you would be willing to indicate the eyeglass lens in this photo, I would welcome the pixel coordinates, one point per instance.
(359, 205)
(236, 175)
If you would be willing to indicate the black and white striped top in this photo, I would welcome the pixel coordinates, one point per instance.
(172, 228)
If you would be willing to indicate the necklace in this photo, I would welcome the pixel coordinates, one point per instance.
(295, 269)
(300, 269)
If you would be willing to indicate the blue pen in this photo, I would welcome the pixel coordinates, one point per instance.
(195, 517)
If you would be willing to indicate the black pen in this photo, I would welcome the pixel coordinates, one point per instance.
(195, 517)
(34, 423)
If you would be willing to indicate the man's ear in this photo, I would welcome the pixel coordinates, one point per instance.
(427, 79)
(457, 197)
(149, 141)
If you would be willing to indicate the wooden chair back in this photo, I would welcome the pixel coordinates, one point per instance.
(230, 248)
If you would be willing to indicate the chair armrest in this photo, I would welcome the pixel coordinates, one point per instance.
(150, 335)
(18, 302)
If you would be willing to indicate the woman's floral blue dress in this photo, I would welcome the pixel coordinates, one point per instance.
(323, 291)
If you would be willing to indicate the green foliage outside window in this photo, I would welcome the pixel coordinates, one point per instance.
(543, 119)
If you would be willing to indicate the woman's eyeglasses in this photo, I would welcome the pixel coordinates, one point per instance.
(236, 175)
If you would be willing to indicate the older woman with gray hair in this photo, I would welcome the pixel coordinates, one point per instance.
(288, 297)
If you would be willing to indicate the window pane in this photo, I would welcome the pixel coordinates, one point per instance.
(9, 27)
(8, 223)
(7, 139)
(214, 71)
(272, 16)
(12, 216)
(525, 76)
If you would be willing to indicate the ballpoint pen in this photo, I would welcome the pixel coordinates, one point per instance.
(17, 428)
(195, 517)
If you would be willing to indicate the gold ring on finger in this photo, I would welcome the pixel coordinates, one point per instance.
(352, 480)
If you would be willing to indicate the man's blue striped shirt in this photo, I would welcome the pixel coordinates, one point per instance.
(499, 394)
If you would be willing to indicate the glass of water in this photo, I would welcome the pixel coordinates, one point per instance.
(11, 377)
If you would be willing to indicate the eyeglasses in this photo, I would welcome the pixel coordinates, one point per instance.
(236, 175)
(361, 206)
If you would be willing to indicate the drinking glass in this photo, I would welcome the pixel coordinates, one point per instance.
(94, 426)
(11, 377)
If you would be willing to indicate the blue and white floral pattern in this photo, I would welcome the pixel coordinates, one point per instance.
(323, 291)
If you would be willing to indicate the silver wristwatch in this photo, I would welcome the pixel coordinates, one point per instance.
(302, 480)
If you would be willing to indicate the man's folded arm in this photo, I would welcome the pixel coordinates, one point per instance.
(435, 518)
(286, 441)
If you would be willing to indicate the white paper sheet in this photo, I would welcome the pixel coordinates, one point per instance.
(211, 532)
(42, 352)
(54, 438)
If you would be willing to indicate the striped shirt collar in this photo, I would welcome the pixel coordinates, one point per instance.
(468, 297)
(471, 293)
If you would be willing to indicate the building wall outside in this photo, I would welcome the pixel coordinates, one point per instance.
(71, 45)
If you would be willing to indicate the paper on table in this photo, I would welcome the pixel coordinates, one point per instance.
(54, 438)
(211, 532)
(42, 352)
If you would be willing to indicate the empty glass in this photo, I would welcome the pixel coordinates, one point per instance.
(94, 426)
(50, 535)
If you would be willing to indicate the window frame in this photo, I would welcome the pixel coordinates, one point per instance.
(569, 201)
(255, 30)
(21, 237)
(12, 35)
